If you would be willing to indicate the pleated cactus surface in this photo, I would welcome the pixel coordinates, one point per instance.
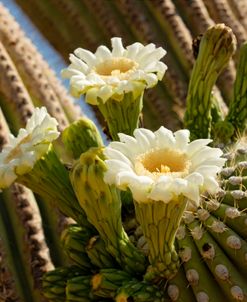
(75, 237)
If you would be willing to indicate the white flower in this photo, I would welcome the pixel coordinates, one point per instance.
(21, 153)
(163, 165)
(107, 74)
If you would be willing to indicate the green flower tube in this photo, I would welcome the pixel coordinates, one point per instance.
(102, 205)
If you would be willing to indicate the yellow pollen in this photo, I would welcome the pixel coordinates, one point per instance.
(161, 162)
(119, 67)
(15, 152)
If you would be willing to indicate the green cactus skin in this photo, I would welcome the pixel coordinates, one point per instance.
(195, 269)
(237, 115)
(216, 48)
(214, 256)
(81, 136)
(102, 205)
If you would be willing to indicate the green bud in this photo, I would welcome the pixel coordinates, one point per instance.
(102, 206)
(216, 48)
(74, 240)
(80, 136)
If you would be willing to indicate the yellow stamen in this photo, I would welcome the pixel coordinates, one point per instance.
(119, 67)
(17, 150)
(159, 162)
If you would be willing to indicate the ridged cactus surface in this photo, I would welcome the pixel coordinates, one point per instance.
(76, 236)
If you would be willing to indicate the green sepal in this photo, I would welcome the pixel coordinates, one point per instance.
(106, 283)
(54, 282)
(140, 291)
(74, 240)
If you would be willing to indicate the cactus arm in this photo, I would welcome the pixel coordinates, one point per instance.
(177, 34)
(233, 218)
(14, 96)
(224, 272)
(234, 246)
(195, 269)
(216, 48)
(178, 289)
(237, 115)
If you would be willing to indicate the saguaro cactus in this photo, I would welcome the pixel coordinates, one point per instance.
(141, 244)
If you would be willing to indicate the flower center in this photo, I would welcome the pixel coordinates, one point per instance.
(116, 67)
(162, 162)
(17, 150)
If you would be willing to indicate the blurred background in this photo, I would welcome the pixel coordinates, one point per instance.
(57, 27)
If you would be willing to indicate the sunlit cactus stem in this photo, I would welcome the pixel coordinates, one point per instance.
(102, 205)
(216, 48)
(159, 222)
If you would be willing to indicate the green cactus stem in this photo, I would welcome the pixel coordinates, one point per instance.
(195, 270)
(178, 289)
(229, 279)
(102, 205)
(237, 115)
(81, 136)
(216, 48)
(234, 246)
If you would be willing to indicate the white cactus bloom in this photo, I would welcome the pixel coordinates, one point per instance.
(110, 74)
(163, 165)
(20, 154)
